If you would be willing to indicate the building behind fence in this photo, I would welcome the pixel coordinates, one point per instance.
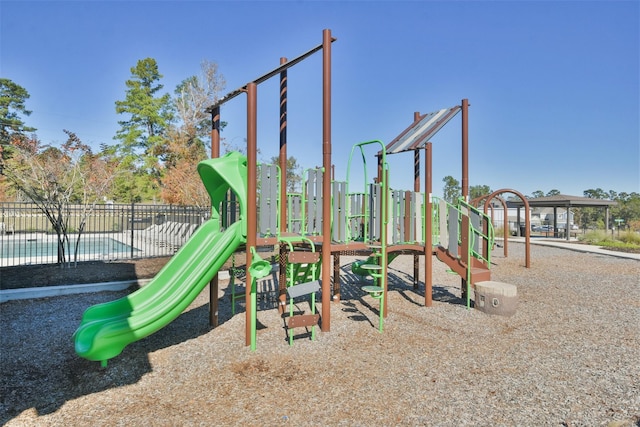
(112, 232)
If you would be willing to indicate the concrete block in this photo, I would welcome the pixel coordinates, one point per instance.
(496, 298)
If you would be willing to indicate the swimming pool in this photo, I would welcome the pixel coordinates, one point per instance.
(33, 249)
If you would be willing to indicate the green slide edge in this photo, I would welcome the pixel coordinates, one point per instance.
(107, 328)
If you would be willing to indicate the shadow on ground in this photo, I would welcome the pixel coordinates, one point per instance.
(399, 281)
(28, 383)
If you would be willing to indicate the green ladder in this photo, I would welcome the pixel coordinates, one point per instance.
(375, 291)
(303, 271)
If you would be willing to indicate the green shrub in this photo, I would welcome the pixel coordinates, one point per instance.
(619, 244)
(630, 237)
(593, 237)
(626, 240)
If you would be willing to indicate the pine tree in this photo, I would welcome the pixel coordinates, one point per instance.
(143, 134)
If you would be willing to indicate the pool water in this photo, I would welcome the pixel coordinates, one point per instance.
(38, 247)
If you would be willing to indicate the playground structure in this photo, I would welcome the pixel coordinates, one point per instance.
(358, 224)
(326, 220)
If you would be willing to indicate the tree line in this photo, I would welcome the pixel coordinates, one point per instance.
(626, 209)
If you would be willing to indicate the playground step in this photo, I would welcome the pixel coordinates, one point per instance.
(375, 291)
(373, 270)
(478, 271)
(303, 257)
(479, 275)
(303, 289)
(303, 320)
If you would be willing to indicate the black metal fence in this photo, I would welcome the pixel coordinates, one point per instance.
(111, 232)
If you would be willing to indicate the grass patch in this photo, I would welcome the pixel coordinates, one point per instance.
(625, 241)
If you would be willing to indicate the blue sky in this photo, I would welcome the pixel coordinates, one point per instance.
(553, 86)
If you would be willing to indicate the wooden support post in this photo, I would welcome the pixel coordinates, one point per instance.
(465, 149)
(464, 253)
(282, 281)
(428, 227)
(282, 158)
(416, 189)
(282, 278)
(326, 180)
(252, 209)
(336, 277)
(215, 153)
(465, 161)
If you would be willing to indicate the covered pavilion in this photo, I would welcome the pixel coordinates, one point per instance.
(566, 202)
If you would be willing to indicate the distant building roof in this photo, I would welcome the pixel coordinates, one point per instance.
(563, 200)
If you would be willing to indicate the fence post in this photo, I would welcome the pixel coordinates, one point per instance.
(132, 218)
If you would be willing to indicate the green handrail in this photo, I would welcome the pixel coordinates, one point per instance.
(475, 235)
(383, 184)
(259, 269)
(473, 232)
(377, 292)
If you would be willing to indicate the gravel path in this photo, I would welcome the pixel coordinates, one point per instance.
(569, 356)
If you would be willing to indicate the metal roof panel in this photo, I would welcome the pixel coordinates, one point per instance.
(421, 131)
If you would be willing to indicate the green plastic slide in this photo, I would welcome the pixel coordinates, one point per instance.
(106, 329)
